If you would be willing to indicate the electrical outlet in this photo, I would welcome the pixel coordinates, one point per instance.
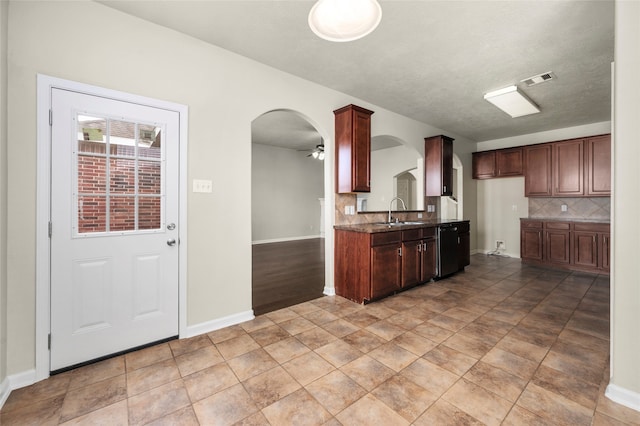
(420, 215)
(500, 245)
(349, 210)
(431, 208)
(563, 208)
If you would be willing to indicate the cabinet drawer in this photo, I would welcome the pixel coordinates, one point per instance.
(592, 227)
(412, 234)
(531, 224)
(385, 238)
(428, 232)
(565, 226)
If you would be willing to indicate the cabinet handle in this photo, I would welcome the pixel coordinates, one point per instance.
(419, 247)
(445, 188)
(400, 251)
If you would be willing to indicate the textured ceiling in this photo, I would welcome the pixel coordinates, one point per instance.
(428, 60)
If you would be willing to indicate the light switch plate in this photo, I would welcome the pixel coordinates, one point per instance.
(201, 185)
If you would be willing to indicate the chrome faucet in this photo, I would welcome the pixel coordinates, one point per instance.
(391, 202)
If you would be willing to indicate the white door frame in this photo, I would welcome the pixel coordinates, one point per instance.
(43, 204)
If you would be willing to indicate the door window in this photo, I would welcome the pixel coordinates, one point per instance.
(119, 167)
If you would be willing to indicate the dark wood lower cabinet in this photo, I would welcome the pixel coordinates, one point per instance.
(419, 256)
(585, 249)
(558, 244)
(385, 269)
(531, 244)
(371, 266)
(582, 246)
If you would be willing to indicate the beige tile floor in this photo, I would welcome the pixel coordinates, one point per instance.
(500, 343)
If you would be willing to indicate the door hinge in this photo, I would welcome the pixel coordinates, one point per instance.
(50, 117)
(49, 341)
(50, 229)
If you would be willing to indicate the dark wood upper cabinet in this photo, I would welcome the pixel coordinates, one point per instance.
(498, 163)
(568, 168)
(484, 164)
(353, 149)
(438, 166)
(537, 177)
(509, 162)
(598, 174)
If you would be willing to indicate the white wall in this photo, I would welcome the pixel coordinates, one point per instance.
(286, 185)
(91, 43)
(4, 14)
(624, 386)
(385, 164)
(496, 197)
(498, 219)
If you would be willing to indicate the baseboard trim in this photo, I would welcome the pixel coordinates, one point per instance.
(329, 291)
(209, 326)
(623, 396)
(5, 391)
(283, 240)
(16, 381)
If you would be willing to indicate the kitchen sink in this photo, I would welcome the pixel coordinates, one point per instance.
(398, 223)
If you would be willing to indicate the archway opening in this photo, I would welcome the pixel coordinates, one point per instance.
(287, 213)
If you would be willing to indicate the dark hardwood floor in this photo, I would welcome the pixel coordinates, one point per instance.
(287, 273)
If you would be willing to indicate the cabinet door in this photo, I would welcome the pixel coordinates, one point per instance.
(598, 166)
(353, 149)
(568, 168)
(509, 162)
(385, 269)
(429, 259)
(438, 166)
(411, 263)
(558, 246)
(531, 244)
(361, 166)
(447, 166)
(484, 165)
(585, 249)
(537, 173)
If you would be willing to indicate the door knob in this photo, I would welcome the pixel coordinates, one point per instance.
(171, 242)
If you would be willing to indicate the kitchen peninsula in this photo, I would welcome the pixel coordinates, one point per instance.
(375, 260)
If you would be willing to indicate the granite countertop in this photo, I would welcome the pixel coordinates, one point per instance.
(372, 228)
(567, 219)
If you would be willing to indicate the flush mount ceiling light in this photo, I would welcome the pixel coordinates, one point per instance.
(344, 20)
(511, 101)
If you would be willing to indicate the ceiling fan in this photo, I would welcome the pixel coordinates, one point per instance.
(317, 152)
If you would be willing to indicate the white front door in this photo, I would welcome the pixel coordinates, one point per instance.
(114, 217)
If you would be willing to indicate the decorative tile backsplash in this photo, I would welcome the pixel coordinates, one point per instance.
(577, 208)
(343, 200)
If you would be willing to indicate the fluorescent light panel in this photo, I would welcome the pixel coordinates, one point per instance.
(511, 101)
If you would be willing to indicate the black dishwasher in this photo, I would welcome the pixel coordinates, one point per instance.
(447, 250)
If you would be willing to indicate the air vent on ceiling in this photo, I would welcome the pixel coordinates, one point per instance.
(540, 78)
